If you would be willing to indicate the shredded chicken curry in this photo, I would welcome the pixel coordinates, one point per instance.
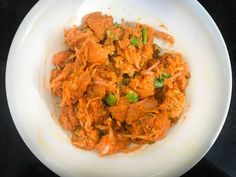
(118, 89)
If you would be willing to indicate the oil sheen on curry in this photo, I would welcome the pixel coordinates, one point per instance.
(119, 90)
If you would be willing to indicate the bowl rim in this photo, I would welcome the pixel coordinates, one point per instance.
(204, 12)
(30, 15)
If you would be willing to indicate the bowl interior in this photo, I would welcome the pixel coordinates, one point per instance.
(33, 108)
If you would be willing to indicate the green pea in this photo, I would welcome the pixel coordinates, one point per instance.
(111, 99)
(132, 97)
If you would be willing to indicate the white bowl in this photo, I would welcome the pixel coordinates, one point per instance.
(32, 108)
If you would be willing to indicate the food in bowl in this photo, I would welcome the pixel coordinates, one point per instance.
(119, 90)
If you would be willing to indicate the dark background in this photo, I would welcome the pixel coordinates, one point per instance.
(16, 160)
